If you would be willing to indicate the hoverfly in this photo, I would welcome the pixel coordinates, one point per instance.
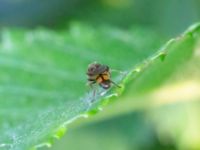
(100, 74)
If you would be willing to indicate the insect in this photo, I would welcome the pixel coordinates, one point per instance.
(100, 74)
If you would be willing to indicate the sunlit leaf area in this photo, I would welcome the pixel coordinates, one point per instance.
(146, 81)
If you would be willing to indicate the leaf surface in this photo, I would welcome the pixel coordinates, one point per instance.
(43, 80)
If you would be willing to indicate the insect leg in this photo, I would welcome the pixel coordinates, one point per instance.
(115, 84)
(91, 84)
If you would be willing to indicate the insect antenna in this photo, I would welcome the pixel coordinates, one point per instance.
(118, 71)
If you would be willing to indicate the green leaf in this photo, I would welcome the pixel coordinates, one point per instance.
(167, 106)
(43, 80)
(43, 75)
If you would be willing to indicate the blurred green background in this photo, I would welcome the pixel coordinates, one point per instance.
(135, 129)
(168, 16)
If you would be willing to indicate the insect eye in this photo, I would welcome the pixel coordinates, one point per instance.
(97, 65)
(92, 69)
